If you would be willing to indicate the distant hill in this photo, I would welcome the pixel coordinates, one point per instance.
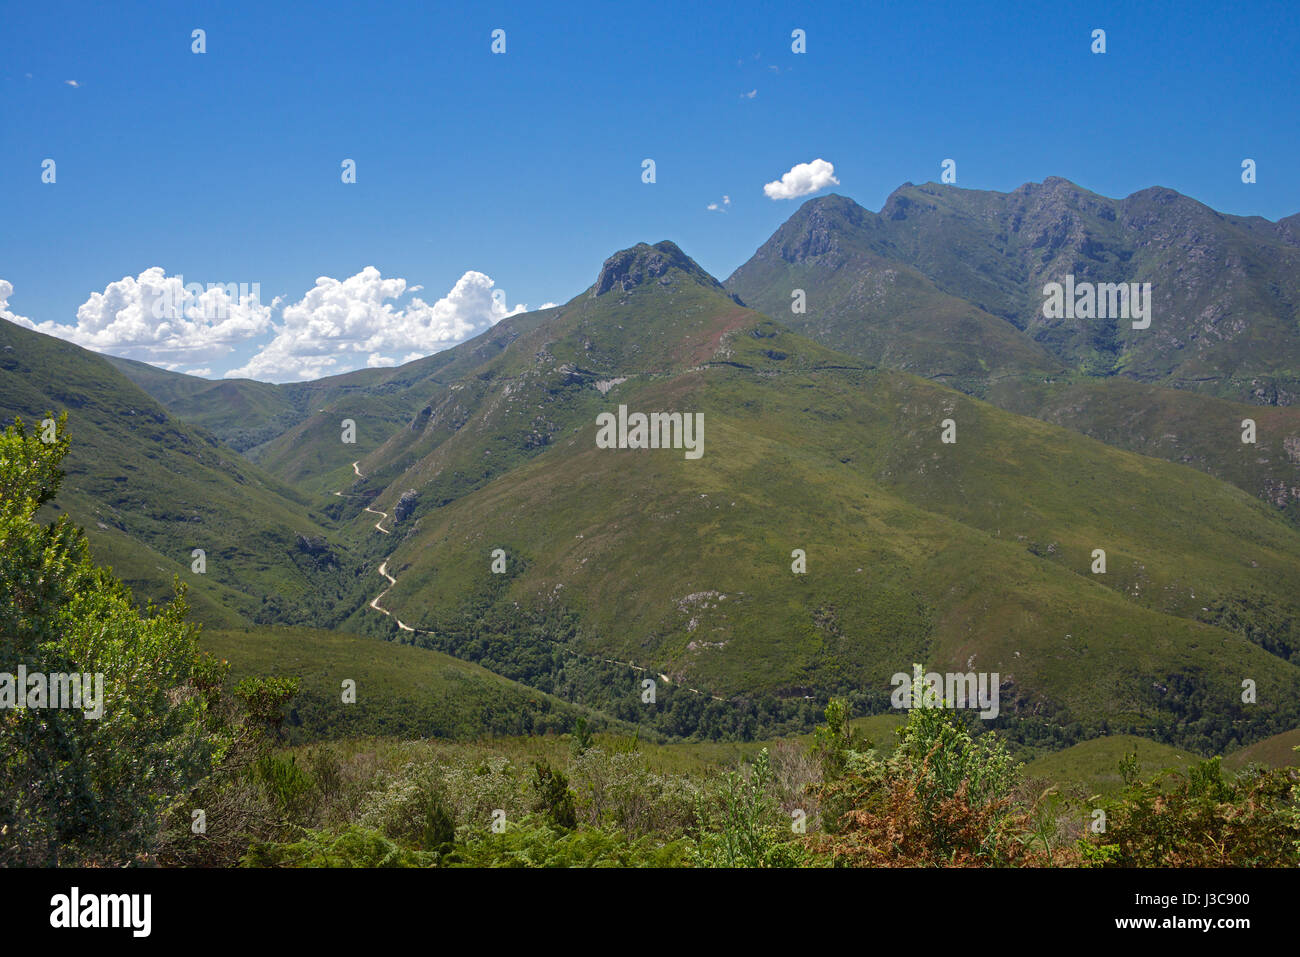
(400, 691)
(948, 283)
(1277, 751)
(1094, 765)
(150, 488)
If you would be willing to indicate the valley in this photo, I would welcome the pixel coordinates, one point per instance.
(500, 544)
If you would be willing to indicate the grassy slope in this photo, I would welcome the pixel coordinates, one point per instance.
(1276, 751)
(149, 489)
(402, 691)
(1201, 431)
(885, 311)
(846, 464)
(1094, 765)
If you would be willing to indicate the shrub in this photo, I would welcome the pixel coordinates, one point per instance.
(748, 829)
(1201, 819)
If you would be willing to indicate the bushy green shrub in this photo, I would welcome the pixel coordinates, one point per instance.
(76, 789)
(1200, 818)
(534, 843)
(746, 827)
(619, 790)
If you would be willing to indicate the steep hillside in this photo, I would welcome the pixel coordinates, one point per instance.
(400, 691)
(149, 489)
(886, 286)
(973, 555)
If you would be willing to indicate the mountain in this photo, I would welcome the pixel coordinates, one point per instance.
(492, 524)
(948, 283)
(150, 488)
(975, 555)
(1225, 289)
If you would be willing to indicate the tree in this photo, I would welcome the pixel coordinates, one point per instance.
(553, 796)
(76, 787)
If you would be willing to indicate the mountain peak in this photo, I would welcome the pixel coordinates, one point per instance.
(644, 263)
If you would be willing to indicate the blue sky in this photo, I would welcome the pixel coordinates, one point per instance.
(526, 167)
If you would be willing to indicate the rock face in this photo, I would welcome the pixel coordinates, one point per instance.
(1224, 290)
(319, 550)
(421, 418)
(405, 505)
(629, 268)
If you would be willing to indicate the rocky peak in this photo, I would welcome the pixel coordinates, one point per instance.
(815, 230)
(642, 264)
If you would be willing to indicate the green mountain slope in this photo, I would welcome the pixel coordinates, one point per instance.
(149, 489)
(887, 287)
(1226, 289)
(879, 308)
(968, 556)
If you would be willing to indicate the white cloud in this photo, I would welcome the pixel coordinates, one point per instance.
(7, 290)
(335, 327)
(750, 95)
(803, 178)
(719, 207)
(154, 317)
(72, 83)
(339, 324)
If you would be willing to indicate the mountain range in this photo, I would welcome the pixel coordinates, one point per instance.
(917, 466)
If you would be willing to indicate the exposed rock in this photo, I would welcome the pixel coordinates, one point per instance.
(405, 505)
(643, 263)
(320, 551)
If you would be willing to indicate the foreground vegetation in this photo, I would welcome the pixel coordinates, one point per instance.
(944, 797)
(189, 767)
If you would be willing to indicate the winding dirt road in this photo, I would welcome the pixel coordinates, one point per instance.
(383, 570)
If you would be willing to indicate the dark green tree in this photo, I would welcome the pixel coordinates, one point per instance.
(78, 786)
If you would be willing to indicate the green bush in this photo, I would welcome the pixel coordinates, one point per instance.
(77, 789)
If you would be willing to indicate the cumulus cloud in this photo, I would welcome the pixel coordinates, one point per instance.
(803, 178)
(750, 95)
(719, 207)
(7, 290)
(338, 325)
(159, 319)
